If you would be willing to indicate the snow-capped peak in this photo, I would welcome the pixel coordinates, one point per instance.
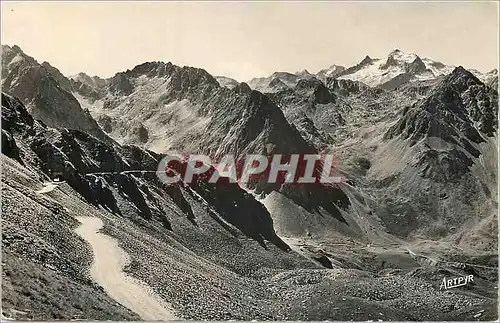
(402, 57)
(331, 71)
(380, 71)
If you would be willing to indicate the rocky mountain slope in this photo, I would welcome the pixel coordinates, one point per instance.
(417, 201)
(183, 215)
(45, 91)
(445, 139)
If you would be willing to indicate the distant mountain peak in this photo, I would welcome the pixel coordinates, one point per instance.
(282, 74)
(228, 82)
(15, 55)
(417, 66)
(277, 83)
(13, 48)
(461, 79)
(45, 63)
(401, 56)
(242, 88)
(366, 60)
(303, 72)
(461, 72)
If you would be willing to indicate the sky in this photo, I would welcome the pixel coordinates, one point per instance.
(248, 39)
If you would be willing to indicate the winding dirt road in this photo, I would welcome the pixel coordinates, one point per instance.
(107, 271)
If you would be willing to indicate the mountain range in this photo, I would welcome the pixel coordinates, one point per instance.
(394, 70)
(415, 142)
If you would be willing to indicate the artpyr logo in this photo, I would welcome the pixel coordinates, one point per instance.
(294, 168)
(456, 282)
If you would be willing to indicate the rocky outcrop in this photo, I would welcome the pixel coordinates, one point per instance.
(345, 87)
(416, 67)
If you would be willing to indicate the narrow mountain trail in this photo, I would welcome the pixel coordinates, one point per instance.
(107, 271)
